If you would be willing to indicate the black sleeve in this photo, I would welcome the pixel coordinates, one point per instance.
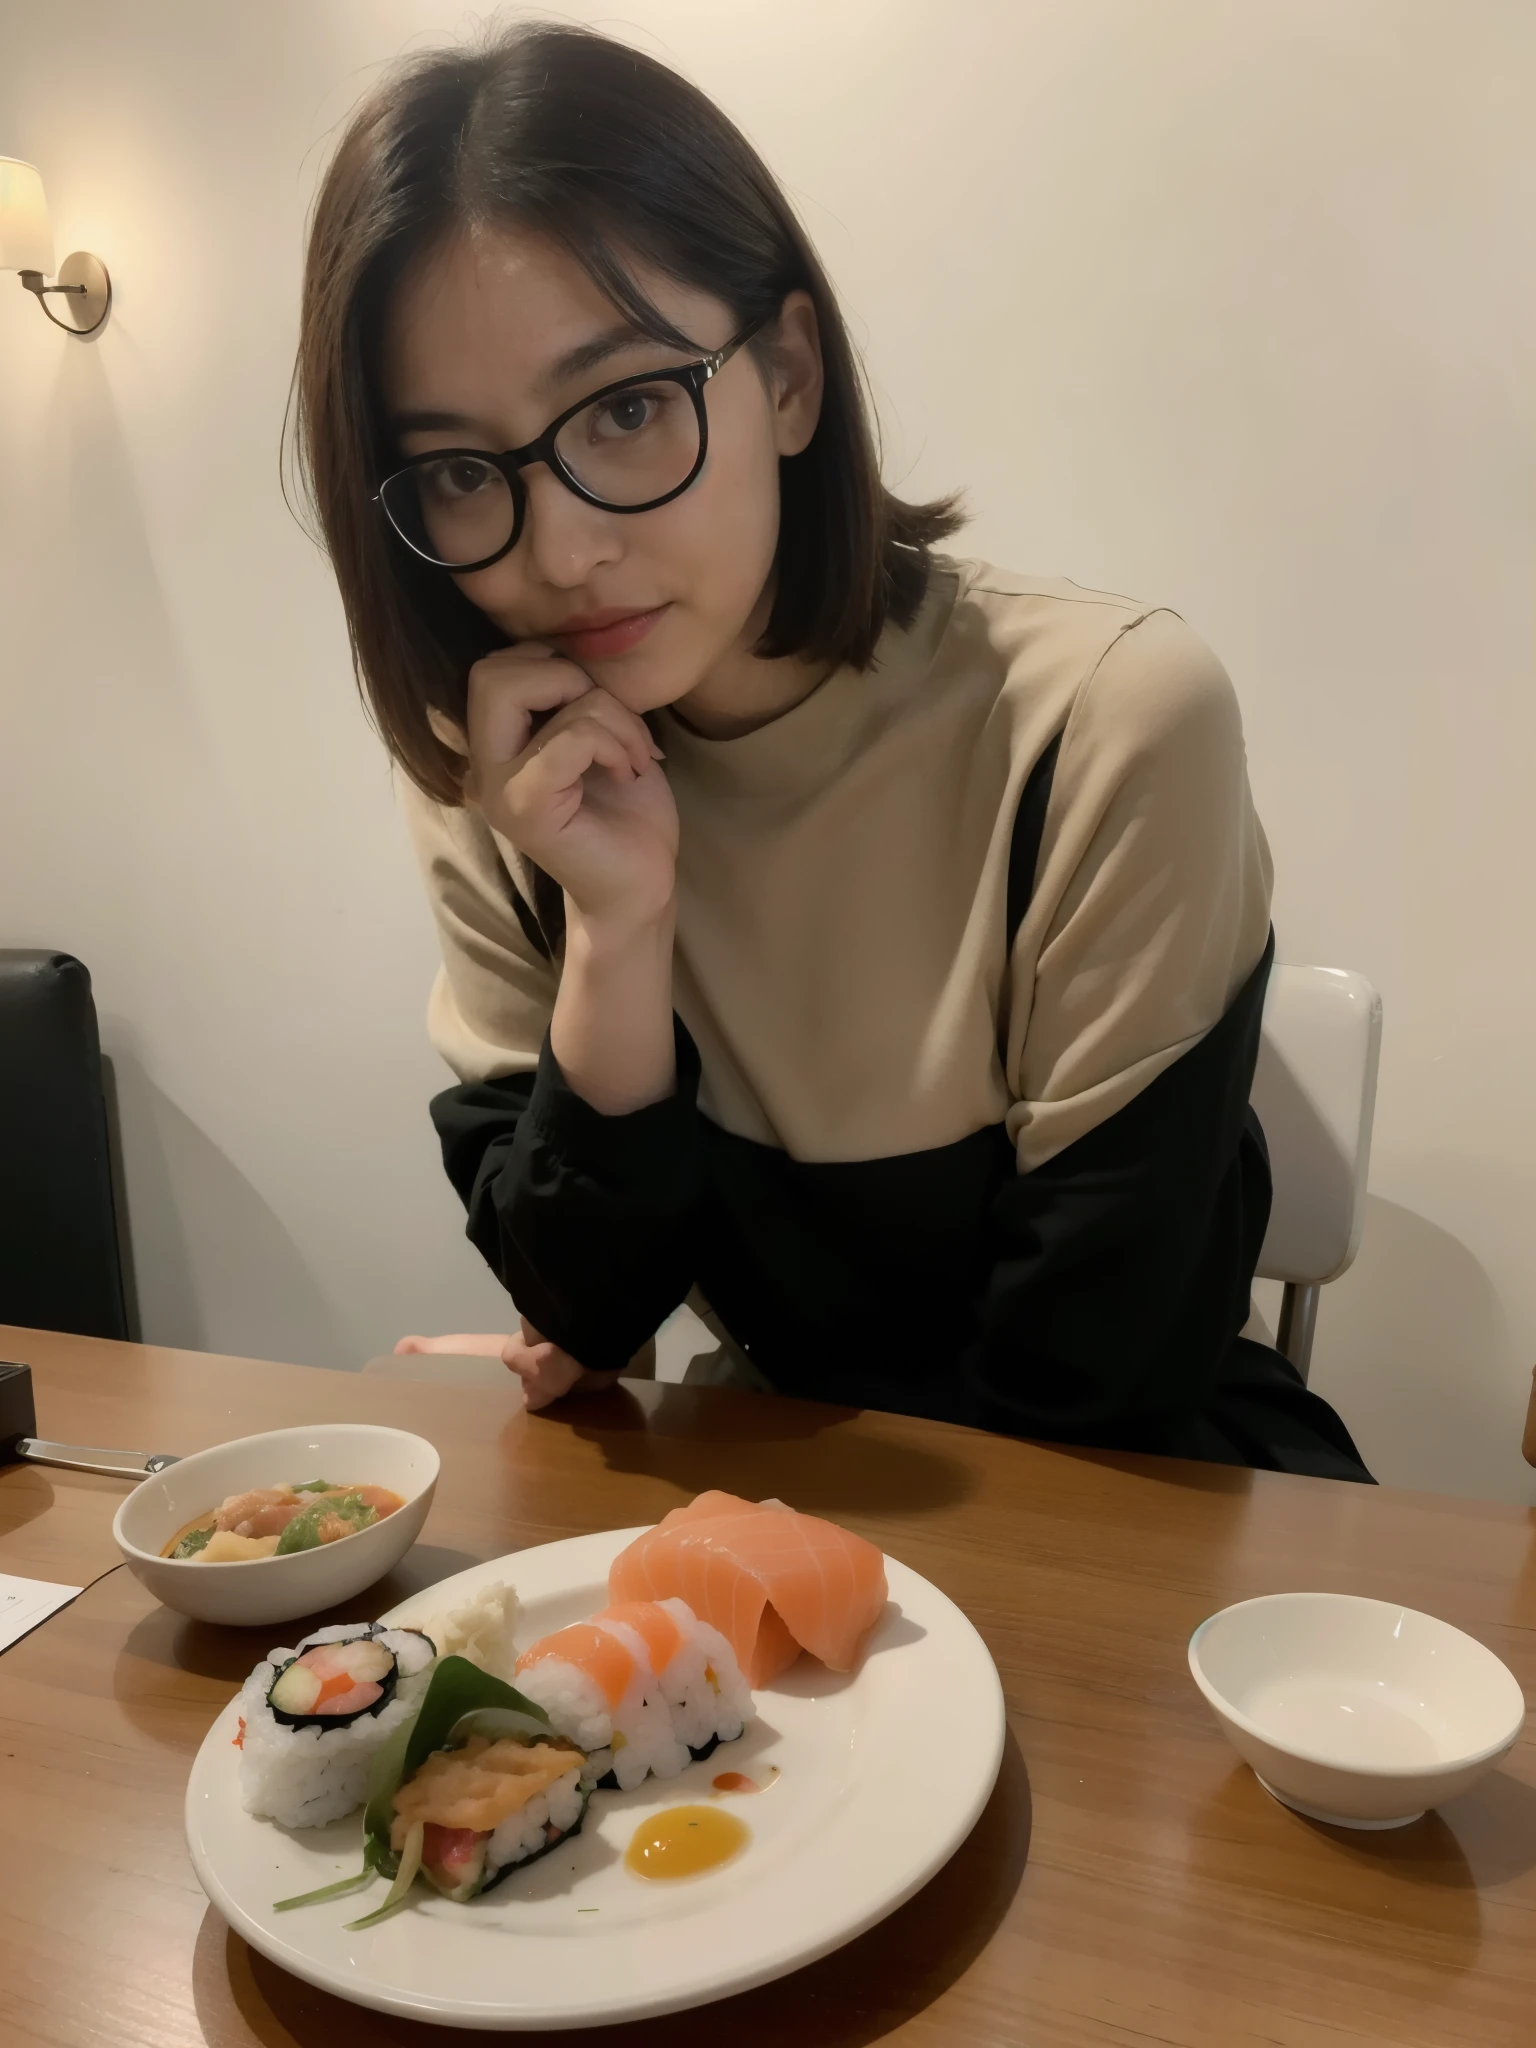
(582, 1217)
(1123, 1266)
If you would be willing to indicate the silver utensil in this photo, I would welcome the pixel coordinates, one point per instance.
(89, 1458)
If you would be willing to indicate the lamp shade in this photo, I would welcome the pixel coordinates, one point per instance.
(26, 239)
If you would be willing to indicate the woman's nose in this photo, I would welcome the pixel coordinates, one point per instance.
(566, 538)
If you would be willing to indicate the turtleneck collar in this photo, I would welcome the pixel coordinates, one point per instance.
(813, 741)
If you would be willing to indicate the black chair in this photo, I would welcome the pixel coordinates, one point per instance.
(61, 1267)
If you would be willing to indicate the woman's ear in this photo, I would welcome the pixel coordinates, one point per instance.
(797, 374)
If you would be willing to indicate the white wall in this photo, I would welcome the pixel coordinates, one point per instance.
(1229, 305)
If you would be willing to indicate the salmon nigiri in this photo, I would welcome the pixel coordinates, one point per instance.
(639, 1687)
(773, 1581)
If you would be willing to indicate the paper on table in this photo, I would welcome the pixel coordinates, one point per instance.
(26, 1602)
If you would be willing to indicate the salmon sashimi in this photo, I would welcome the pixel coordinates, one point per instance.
(773, 1582)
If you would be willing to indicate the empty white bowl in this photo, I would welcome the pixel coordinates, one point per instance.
(268, 1589)
(1357, 1712)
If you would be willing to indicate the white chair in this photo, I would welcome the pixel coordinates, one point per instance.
(1315, 1092)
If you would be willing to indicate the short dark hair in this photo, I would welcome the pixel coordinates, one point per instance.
(610, 154)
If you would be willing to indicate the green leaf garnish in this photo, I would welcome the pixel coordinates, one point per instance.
(303, 1532)
(405, 1877)
(194, 1541)
(457, 1693)
(338, 1890)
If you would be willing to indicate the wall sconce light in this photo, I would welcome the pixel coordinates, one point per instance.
(26, 244)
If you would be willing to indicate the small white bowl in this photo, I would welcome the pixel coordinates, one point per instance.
(1356, 1712)
(267, 1589)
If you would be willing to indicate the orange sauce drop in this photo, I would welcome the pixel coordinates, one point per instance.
(685, 1841)
(738, 1781)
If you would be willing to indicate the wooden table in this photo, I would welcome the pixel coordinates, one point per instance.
(1130, 1882)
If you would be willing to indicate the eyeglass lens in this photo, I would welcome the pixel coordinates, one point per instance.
(626, 449)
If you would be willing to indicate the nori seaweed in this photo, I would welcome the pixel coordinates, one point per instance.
(388, 1683)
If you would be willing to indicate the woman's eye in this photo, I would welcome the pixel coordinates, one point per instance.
(457, 478)
(626, 413)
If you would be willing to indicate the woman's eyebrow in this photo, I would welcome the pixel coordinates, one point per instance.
(431, 422)
(585, 356)
(588, 354)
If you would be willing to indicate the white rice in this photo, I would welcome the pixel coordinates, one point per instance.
(522, 1835)
(634, 1739)
(304, 1777)
(703, 1684)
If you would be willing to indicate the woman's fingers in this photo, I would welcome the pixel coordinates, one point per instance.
(544, 793)
(508, 690)
(525, 1359)
(556, 762)
(522, 671)
(545, 1370)
(507, 694)
(568, 775)
(466, 1344)
(627, 726)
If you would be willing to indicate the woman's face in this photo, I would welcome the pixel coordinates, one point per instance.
(498, 332)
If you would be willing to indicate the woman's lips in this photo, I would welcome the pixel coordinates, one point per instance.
(613, 636)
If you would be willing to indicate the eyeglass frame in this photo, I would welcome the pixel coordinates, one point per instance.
(512, 461)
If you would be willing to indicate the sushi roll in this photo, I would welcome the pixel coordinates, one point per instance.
(478, 1785)
(474, 1813)
(313, 1719)
(643, 1688)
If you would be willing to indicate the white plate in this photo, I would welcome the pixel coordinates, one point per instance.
(850, 1829)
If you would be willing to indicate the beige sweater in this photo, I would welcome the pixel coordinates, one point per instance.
(840, 956)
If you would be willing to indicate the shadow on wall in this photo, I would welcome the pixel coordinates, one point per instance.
(127, 670)
(205, 1243)
(1416, 1353)
(213, 1266)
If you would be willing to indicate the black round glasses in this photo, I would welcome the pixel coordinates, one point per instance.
(630, 447)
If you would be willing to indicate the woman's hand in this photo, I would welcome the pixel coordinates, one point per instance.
(545, 1370)
(467, 1344)
(582, 795)
(572, 778)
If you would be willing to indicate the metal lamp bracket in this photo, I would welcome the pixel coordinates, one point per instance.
(84, 286)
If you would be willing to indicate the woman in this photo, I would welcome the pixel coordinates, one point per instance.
(873, 941)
